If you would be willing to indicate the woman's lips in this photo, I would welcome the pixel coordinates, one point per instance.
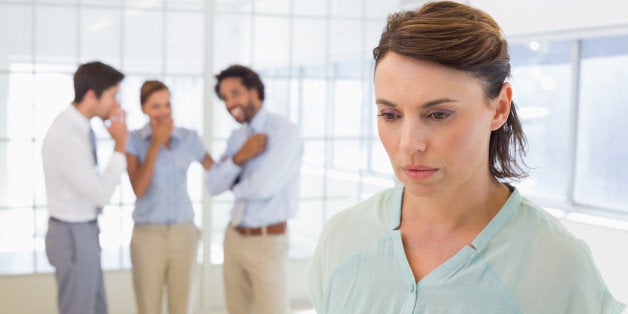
(418, 172)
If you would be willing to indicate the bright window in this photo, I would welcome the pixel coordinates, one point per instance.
(41, 45)
(315, 60)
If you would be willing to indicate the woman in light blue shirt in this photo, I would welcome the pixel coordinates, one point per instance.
(164, 240)
(454, 237)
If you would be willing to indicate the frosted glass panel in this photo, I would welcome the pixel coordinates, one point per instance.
(186, 4)
(230, 6)
(143, 41)
(56, 35)
(20, 165)
(110, 3)
(144, 4)
(232, 41)
(541, 94)
(309, 47)
(318, 8)
(100, 35)
(129, 96)
(305, 228)
(187, 101)
(602, 171)
(349, 8)
(19, 105)
(378, 9)
(348, 115)
(185, 42)
(15, 34)
(347, 156)
(313, 96)
(379, 161)
(16, 241)
(53, 93)
(314, 153)
(271, 42)
(311, 178)
(65, 2)
(277, 96)
(272, 6)
(345, 39)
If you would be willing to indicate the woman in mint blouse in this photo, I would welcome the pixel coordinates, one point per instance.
(454, 236)
(165, 238)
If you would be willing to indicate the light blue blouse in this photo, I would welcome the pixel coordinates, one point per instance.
(166, 201)
(524, 261)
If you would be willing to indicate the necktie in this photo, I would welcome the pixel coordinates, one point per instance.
(92, 142)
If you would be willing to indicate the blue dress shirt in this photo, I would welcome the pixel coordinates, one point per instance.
(269, 183)
(166, 201)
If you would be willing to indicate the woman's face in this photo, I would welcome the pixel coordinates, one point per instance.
(435, 124)
(157, 106)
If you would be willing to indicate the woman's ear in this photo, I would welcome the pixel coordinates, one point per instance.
(502, 107)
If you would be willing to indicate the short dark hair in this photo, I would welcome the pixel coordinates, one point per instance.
(250, 79)
(96, 76)
(148, 88)
(467, 39)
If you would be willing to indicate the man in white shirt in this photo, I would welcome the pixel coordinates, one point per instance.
(75, 189)
(261, 165)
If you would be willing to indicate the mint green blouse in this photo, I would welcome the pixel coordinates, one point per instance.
(524, 261)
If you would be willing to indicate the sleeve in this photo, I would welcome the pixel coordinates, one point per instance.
(132, 144)
(315, 278)
(282, 161)
(561, 277)
(198, 148)
(223, 173)
(78, 171)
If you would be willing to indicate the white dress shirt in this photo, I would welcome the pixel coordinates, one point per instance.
(267, 189)
(74, 187)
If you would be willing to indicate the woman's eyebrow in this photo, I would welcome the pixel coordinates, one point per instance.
(426, 105)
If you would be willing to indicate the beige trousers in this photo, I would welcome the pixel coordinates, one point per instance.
(255, 273)
(163, 255)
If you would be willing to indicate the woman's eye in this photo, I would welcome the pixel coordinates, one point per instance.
(439, 115)
(388, 116)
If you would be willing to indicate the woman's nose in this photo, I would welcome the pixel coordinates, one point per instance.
(413, 138)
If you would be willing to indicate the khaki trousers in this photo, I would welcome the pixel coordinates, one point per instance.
(255, 273)
(163, 255)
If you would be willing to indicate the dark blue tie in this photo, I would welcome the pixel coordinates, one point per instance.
(92, 142)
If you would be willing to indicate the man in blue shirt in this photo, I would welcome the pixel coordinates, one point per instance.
(261, 166)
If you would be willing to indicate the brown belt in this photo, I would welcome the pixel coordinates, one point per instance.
(278, 228)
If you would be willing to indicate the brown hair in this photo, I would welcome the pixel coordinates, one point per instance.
(96, 76)
(148, 88)
(464, 38)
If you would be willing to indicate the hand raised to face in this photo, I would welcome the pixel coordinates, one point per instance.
(116, 124)
(162, 128)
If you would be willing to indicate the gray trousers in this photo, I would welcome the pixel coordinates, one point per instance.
(74, 250)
